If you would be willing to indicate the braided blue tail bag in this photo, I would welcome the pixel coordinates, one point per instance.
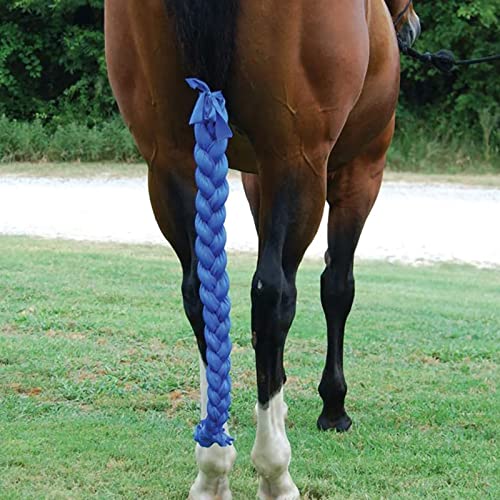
(211, 129)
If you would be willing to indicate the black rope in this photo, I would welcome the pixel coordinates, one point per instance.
(480, 60)
(444, 60)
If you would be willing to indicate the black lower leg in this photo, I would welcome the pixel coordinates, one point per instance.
(193, 306)
(173, 201)
(337, 295)
(352, 191)
(289, 216)
(273, 310)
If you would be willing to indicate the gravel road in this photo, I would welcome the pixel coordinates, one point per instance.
(411, 223)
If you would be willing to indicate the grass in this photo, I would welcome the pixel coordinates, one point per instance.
(99, 378)
(417, 148)
(36, 142)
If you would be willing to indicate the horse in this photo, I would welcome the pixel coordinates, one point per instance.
(312, 91)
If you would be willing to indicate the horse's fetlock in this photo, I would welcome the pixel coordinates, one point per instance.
(215, 461)
(332, 388)
(275, 464)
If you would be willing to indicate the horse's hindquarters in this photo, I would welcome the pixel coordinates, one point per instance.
(146, 74)
(292, 88)
(303, 75)
(376, 105)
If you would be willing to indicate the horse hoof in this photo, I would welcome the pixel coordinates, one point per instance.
(341, 424)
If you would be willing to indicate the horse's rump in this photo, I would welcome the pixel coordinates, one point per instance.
(206, 32)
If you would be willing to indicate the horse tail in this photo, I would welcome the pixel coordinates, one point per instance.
(206, 32)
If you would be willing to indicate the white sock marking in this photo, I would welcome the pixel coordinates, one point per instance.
(214, 463)
(271, 453)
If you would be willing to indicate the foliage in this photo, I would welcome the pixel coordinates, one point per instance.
(415, 148)
(52, 61)
(465, 103)
(52, 68)
(73, 141)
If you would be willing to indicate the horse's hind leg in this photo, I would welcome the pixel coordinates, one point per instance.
(172, 192)
(291, 204)
(352, 191)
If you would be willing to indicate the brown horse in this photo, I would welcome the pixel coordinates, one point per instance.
(311, 90)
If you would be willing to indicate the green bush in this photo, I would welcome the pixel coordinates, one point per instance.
(24, 141)
(21, 140)
(415, 147)
(464, 105)
(52, 63)
(52, 72)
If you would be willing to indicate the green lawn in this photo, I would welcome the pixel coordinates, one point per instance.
(99, 379)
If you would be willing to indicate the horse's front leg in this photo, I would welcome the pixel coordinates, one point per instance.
(289, 215)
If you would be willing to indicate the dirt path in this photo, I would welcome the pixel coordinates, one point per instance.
(411, 222)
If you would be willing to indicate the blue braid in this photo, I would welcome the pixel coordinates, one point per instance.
(211, 129)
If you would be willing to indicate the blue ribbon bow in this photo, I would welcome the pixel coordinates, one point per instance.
(210, 107)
